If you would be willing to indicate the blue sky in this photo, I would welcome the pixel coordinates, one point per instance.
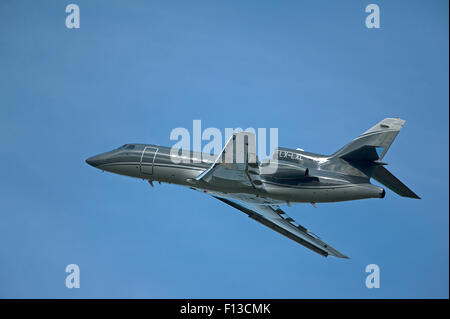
(134, 71)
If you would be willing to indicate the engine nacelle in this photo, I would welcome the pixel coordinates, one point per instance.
(290, 172)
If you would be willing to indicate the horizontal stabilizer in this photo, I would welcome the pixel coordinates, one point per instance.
(383, 176)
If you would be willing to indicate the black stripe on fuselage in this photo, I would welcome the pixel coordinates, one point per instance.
(155, 164)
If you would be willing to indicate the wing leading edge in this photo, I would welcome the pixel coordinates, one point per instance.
(276, 219)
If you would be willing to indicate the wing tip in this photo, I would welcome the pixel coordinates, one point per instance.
(342, 256)
(411, 195)
(337, 254)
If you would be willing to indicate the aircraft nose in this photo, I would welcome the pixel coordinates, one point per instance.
(94, 160)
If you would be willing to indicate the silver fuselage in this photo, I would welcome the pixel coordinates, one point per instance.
(333, 180)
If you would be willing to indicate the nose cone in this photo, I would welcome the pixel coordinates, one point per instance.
(95, 161)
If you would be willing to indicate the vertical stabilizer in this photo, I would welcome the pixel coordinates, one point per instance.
(374, 143)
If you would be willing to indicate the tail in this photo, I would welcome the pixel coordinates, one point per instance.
(367, 151)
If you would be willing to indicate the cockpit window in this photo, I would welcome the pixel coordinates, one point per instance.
(127, 147)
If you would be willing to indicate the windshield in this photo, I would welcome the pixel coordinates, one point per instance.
(127, 147)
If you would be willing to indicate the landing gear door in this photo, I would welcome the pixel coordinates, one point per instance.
(147, 160)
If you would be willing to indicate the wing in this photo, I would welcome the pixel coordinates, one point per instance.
(236, 165)
(275, 218)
